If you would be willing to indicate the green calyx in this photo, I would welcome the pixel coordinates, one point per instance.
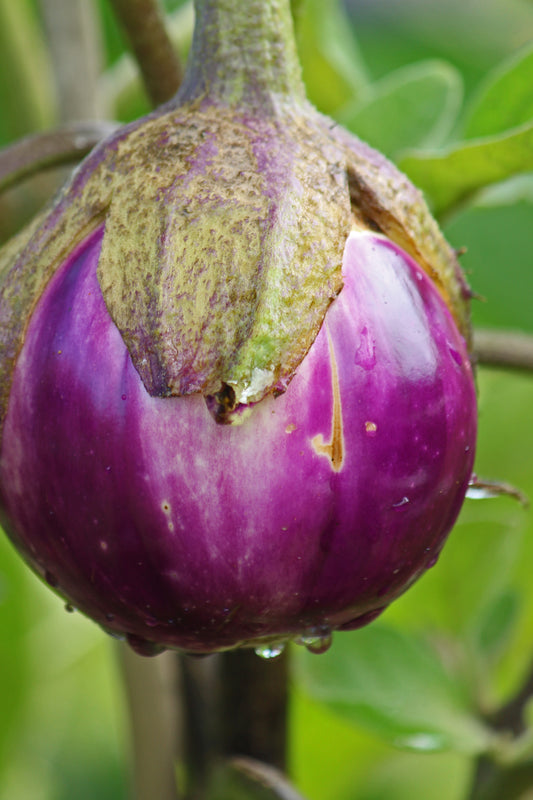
(225, 217)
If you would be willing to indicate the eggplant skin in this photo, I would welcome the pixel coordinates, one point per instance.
(314, 510)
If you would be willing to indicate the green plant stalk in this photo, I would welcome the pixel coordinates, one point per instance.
(243, 58)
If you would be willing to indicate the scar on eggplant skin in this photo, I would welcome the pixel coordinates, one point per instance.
(221, 404)
(334, 449)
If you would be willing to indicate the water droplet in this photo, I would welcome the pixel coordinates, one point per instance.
(143, 647)
(70, 608)
(51, 579)
(272, 650)
(423, 741)
(433, 561)
(316, 640)
(120, 637)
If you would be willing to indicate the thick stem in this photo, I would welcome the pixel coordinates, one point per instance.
(243, 54)
(198, 692)
(143, 24)
(253, 706)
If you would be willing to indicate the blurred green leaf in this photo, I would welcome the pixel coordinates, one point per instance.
(498, 264)
(415, 106)
(506, 98)
(14, 620)
(510, 192)
(61, 714)
(332, 67)
(417, 776)
(452, 176)
(494, 626)
(475, 565)
(394, 684)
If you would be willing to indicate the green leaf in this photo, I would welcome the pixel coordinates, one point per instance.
(415, 106)
(394, 684)
(332, 67)
(506, 98)
(454, 175)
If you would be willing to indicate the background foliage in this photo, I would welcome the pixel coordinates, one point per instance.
(400, 710)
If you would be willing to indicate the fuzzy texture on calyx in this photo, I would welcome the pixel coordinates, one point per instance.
(225, 212)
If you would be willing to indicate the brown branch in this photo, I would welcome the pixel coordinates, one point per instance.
(143, 24)
(266, 776)
(504, 349)
(197, 693)
(33, 154)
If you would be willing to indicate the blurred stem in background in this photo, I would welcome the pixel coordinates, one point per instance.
(505, 349)
(155, 719)
(143, 24)
(73, 34)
